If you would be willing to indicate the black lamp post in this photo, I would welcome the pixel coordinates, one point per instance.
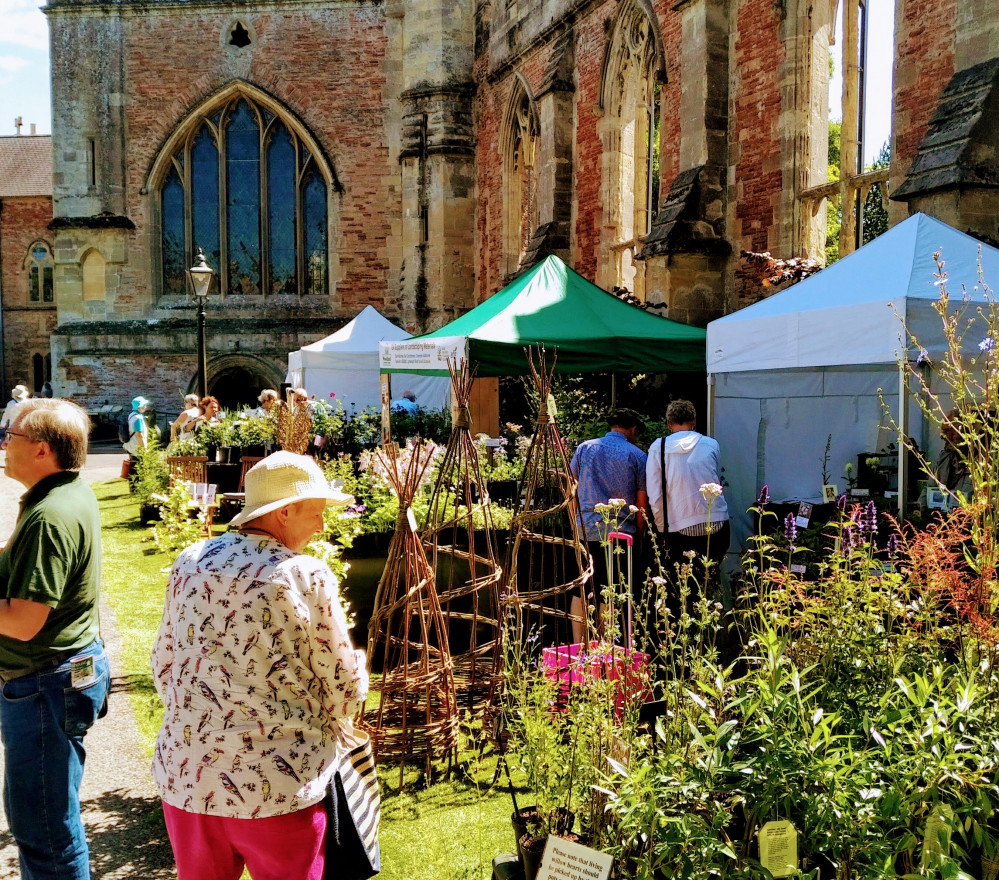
(200, 276)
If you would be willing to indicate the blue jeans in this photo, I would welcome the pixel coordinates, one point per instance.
(43, 720)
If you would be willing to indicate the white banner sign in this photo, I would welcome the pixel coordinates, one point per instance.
(415, 354)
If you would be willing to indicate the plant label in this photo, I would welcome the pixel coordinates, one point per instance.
(565, 860)
(411, 518)
(779, 848)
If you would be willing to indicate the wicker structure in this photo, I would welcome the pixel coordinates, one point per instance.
(548, 568)
(417, 717)
(460, 543)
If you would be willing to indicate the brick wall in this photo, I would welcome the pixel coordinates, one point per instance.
(26, 328)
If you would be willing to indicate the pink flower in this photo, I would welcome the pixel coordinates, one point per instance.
(332, 394)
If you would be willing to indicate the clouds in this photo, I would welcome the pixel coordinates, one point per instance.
(24, 27)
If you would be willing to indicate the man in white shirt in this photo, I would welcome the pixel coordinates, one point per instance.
(682, 475)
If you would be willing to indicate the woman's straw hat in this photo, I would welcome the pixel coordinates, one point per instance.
(284, 478)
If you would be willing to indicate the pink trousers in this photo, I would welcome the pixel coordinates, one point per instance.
(289, 847)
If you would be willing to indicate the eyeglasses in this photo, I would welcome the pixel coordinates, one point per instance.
(10, 434)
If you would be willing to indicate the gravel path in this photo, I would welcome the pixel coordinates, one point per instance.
(120, 806)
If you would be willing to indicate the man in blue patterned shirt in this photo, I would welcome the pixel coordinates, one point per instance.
(607, 468)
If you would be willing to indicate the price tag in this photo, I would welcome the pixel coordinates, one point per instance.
(412, 518)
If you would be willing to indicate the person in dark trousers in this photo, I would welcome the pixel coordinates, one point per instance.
(683, 476)
(53, 671)
(611, 471)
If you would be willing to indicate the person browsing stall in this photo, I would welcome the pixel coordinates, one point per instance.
(259, 680)
(53, 671)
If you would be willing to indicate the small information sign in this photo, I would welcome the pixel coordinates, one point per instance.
(565, 860)
(779, 848)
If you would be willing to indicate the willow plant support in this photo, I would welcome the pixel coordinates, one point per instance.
(548, 568)
(417, 716)
(460, 542)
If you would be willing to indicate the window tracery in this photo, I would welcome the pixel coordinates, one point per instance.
(631, 98)
(40, 268)
(519, 179)
(246, 188)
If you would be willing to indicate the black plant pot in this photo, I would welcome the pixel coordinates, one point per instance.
(149, 513)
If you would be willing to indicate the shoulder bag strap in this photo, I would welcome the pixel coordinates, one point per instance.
(662, 479)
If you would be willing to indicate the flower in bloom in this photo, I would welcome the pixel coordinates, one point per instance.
(841, 503)
(616, 503)
(892, 546)
(764, 496)
(869, 519)
(848, 469)
(332, 394)
(923, 357)
(847, 542)
(710, 491)
(987, 344)
(790, 529)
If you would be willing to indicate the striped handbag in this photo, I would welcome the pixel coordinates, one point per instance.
(353, 807)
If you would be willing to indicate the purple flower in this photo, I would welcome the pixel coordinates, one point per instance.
(892, 546)
(841, 503)
(764, 496)
(847, 540)
(790, 529)
(869, 519)
(923, 358)
(987, 344)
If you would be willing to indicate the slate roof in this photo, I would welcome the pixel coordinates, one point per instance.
(25, 166)
(959, 148)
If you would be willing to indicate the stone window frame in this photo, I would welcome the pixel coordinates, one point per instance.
(521, 133)
(631, 103)
(37, 282)
(814, 192)
(225, 35)
(182, 137)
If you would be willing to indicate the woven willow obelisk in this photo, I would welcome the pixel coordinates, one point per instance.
(461, 544)
(548, 568)
(416, 718)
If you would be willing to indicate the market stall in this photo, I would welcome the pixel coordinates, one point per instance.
(346, 364)
(796, 382)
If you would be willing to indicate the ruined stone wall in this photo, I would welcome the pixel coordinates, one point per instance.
(26, 326)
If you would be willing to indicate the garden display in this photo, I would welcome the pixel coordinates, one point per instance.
(460, 542)
(548, 568)
(416, 716)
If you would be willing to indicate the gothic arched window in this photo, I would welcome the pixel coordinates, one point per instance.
(520, 214)
(631, 98)
(39, 266)
(245, 188)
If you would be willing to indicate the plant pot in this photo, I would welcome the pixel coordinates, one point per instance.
(520, 822)
(257, 450)
(532, 850)
(149, 513)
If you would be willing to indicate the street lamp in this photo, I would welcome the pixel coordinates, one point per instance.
(200, 276)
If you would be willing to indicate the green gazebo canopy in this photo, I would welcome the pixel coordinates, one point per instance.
(593, 330)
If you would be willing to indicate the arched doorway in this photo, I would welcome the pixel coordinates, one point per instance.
(237, 380)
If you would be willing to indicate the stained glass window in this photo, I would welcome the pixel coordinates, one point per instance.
(281, 210)
(315, 233)
(246, 189)
(174, 261)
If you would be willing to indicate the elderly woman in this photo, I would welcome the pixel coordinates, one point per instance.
(184, 423)
(259, 678)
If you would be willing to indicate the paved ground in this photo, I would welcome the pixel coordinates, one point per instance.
(121, 808)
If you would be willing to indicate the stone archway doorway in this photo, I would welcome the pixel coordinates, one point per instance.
(237, 380)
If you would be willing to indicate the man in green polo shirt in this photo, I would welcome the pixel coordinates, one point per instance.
(53, 672)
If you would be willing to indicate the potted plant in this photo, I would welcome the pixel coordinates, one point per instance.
(151, 478)
(254, 434)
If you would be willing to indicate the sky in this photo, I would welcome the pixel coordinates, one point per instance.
(24, 71)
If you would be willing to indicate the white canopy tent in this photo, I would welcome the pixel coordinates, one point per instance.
(346, 364)
(804, 367)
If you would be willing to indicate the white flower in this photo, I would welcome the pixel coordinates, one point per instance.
(710, 491)
(616, 503)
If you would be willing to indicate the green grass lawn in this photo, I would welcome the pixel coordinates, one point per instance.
(448, 830)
